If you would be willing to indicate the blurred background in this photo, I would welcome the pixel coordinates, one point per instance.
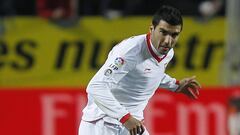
(50, 49)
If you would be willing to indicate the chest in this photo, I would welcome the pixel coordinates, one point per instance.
(150, 69)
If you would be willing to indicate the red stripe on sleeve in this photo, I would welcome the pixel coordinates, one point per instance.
(125, 118)
(177, 82)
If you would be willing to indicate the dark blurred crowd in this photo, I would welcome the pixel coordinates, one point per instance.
(66, 12)
(64, 8)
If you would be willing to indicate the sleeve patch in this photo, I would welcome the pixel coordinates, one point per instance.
(119, 61)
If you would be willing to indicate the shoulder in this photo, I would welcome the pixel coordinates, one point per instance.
(130, 46)
(128, 51)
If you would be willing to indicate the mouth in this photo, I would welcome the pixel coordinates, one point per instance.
(163, 48)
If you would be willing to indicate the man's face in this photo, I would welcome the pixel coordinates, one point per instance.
(164, 36)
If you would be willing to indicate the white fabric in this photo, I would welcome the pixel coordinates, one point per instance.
(168, 83)
(100, 127)
(126, 82)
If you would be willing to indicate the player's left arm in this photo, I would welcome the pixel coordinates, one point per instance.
(169, 83)
(188, 86)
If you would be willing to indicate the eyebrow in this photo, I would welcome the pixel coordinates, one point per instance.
(172, 33)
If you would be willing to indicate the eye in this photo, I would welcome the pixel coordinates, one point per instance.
(174, 35)
(164, 32)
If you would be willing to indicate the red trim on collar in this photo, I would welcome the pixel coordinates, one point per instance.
(151, 51)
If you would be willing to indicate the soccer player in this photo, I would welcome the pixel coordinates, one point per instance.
(133, 71)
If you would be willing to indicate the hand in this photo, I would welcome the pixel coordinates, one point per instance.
(190, 87)
(134, 126)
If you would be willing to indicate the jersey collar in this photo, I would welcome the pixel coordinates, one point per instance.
(155, 56)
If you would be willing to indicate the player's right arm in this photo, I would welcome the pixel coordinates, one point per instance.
(134, 126)
(121, 60)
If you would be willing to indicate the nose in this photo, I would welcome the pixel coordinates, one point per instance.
(168, 40)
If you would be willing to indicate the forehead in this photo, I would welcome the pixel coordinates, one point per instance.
(166, 26)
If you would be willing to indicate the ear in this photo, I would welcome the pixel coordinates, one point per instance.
(151, 28)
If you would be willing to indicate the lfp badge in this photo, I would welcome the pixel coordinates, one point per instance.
(119, 61)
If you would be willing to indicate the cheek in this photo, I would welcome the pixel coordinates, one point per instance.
(174, 43)
(176, 39)
(156, 36)
(160, 39)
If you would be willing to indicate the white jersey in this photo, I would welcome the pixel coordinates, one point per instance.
(128, 79)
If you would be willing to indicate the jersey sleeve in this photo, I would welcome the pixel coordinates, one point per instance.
(169, 83)
(120, 61)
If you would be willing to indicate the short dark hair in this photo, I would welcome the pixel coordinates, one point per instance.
(169, 14)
